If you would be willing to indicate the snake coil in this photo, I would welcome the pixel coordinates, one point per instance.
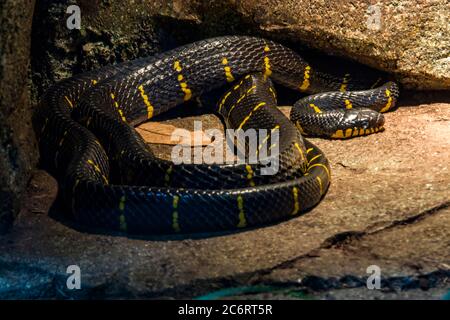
(110, 179)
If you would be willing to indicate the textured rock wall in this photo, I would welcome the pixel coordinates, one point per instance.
(410, 38)
(111, 32)
(17, 146)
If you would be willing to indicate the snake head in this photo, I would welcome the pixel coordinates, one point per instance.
(362, 118)
(358, 122)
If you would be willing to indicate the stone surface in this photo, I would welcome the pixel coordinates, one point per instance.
(159, 133)
(111, 32)
(412, 40)
(18, 153)
(388, 205)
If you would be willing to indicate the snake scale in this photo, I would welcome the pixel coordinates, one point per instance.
(109, 178)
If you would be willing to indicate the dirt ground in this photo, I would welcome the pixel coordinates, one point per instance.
(388, 205)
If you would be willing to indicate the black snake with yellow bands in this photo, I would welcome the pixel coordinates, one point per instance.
(110, 179)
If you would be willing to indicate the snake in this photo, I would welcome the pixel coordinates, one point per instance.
(109, 178)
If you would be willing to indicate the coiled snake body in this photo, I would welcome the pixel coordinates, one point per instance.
(111, 180)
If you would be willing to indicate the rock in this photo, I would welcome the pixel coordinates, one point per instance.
(111, 32)
(18, 152)
(410, 38)
(159, 133)
(378, 211)
(396, 184)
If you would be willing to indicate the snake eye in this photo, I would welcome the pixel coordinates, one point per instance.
(362, 118)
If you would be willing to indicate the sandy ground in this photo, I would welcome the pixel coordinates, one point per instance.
(388, 205)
